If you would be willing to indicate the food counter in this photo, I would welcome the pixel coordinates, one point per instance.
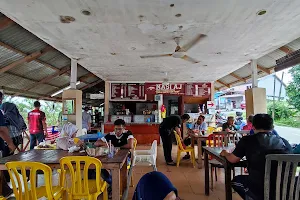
(145, 133)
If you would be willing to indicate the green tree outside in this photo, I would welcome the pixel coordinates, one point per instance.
(25, 105)
(293, 89)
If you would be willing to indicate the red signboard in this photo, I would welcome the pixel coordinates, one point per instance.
(129, 91)
(188, 89)
(161, 88)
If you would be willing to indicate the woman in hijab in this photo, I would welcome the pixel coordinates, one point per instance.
(155, 186)
(69, 131)
(14, 122)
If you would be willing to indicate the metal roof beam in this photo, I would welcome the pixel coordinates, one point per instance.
(24, 54)
(90, 85)
(80, 78)
(238, 77)
(28, 58)
(48, 78)
(267, 71)
(5, 22)
(286, 49)
(225, 84)
(21, 91)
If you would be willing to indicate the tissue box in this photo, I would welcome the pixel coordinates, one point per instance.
(98, 151)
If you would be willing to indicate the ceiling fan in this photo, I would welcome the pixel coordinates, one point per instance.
(180, 52)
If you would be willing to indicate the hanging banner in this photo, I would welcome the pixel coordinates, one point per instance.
(162, 88)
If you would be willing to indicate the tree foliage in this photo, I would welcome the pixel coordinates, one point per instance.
(282, 110)
(293, 89)
(25, 105)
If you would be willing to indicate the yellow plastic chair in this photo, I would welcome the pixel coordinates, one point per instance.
(180, 150)
(128, 166)
(20, 184)
(80, 186)
(210, 130)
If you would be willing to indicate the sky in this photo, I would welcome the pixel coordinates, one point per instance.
(287, 77)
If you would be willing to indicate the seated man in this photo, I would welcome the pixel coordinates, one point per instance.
(255, 148)
(199, 127)
(119, 138)
(229, 125)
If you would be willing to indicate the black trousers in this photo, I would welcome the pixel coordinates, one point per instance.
(167, 138)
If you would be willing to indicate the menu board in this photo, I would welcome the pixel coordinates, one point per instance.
(128, 91)
(135, 91)
(116, 91)
(198, 89)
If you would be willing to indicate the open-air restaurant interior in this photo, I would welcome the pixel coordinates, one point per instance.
(117, 99)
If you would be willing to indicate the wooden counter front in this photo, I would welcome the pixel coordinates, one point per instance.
(145, 133)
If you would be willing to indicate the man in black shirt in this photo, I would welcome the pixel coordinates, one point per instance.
(255, 148)
(166, 129)
(229, 125)
(119, 138)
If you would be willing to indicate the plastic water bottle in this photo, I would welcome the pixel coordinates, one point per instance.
(111, 152)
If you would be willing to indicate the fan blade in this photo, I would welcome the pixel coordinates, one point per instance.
(155, 56)
(193, 42)
(190, 59)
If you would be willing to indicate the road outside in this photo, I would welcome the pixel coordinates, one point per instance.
(289, 133)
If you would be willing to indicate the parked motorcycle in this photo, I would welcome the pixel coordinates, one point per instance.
(239, 122)
(220, 119)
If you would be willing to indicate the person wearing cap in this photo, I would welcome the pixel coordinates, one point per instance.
(37, 125)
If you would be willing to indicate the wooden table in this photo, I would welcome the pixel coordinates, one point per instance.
(117, 165)
(215, 153)
(199, 138)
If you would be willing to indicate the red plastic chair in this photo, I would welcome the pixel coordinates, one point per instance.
(217, 140)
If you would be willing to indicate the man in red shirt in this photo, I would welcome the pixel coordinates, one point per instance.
(37, 125)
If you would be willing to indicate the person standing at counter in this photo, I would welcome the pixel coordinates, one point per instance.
(86, 119)
(166, 129)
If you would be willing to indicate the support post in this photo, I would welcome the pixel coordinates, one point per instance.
(73, 78)
(254, 73)
(106, 100)
(274, 93)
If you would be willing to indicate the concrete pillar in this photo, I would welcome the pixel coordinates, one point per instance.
(106, 100)
(254, 73)
(212, 98)
(73, 77)
(76, 119)
(256, 101)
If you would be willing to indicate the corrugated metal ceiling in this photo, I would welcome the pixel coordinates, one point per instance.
(16, 44)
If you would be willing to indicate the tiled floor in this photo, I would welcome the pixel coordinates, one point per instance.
(189, 181)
